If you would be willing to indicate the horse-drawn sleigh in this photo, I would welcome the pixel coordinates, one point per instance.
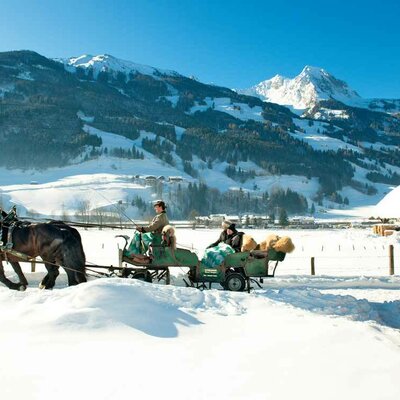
(235, 273)
(59, 244)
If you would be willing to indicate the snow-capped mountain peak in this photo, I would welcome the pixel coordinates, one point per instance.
(310, 71)
(303, 91)
(111, 64)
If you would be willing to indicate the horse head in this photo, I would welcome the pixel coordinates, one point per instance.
(9, 217)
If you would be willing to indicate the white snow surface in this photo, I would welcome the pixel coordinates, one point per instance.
(315, 137)
(379, 146)
(113, 338)
(26, 76)
(323, 142)
(390, 106)
(328, 114)
(5, 88)
(241, 111)
(389, 206)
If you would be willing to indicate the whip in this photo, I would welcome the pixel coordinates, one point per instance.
(114, 205)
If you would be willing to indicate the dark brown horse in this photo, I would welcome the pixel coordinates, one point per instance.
(55, 242)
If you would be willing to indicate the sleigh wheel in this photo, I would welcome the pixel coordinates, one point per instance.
(142, 276)
(235, 282)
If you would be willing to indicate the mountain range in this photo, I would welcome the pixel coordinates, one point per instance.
(313, 130)
(312, 86)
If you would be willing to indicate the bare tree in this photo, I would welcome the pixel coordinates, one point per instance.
(99, 216)
(64, 215)
(83, 211)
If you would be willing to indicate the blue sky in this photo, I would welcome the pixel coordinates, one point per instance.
(230, 43)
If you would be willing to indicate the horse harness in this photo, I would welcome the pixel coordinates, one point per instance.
(7, 226)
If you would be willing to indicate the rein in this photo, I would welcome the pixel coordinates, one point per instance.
(27, 258)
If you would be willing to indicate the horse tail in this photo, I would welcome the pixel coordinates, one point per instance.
(74, 258)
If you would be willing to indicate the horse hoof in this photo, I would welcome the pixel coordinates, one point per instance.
(41, 286)
(22, 288)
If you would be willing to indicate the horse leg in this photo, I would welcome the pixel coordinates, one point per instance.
(21, 276)
(73, 262)
(72, 277)
(7, 282)
(49, 280)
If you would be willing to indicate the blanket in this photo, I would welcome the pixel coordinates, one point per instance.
(215, 256)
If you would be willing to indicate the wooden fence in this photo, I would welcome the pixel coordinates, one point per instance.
(390, 261)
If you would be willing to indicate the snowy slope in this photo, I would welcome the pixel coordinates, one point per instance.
(62, 190)
(107, 179)
(238, 110)
(297, 337)
(389, 206)
(316, 139)
(390, 106)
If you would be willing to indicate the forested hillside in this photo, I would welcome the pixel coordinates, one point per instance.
(45, 106)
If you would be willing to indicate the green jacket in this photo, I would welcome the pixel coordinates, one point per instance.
(158, 223)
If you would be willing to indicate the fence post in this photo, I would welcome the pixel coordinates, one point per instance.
(33, 266)
(391, 260)
(120, 256)
(312, 266)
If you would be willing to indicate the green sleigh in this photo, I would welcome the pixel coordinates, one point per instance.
(235, 273)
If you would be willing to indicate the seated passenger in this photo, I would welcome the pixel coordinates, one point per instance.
(230, 241)
(145, 235)
(223, 236)
(234, 238)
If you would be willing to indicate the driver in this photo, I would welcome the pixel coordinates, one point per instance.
(159, 221)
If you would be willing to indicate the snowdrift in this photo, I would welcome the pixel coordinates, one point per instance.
(114, 338)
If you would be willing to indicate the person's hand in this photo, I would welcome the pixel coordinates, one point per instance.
(140, 229)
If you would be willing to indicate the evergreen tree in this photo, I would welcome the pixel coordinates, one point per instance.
(283, 217)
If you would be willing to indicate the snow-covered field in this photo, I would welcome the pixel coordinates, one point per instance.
(334, 335)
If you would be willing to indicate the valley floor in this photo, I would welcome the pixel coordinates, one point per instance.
(333, 335)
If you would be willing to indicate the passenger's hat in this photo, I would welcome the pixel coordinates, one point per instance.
(225, 224)
(160, 203)
(232, 227)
